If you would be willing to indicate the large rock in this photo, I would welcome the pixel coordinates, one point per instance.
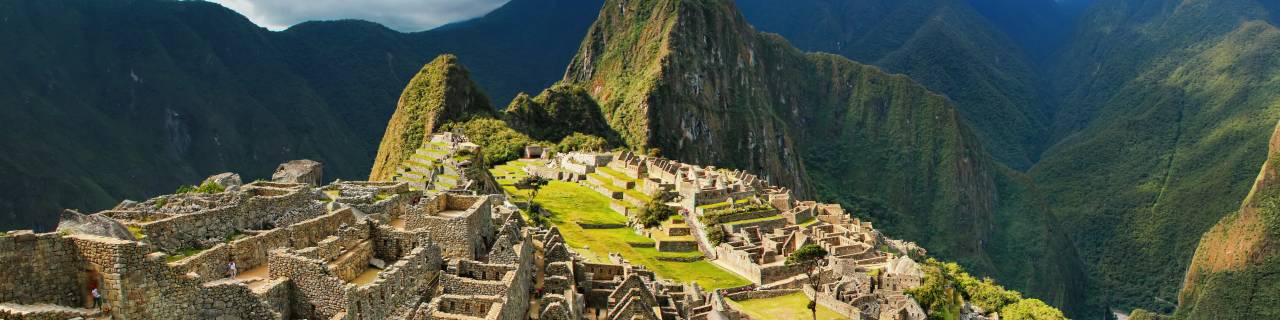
(227, 180)
(93, 224)
(299, 171)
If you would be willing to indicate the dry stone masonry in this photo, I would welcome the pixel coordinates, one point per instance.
(433, 245)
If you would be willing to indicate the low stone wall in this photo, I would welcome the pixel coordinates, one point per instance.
(351, 263)
(208, 265)
(600, 225)
(826, 300)
(765, 226)
(620, 207)
(759, 294)
(40, 268)
(677, 246)
(746, 216)
(465, 236)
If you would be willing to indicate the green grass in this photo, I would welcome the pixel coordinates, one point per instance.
(769, 218)
(787, 307)
(615, 174)
(571, 202)
(183, 254)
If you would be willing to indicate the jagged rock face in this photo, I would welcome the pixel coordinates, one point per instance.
(299, 171)
(441, 92)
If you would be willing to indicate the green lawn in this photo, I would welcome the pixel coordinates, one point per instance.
(791, 306)
(615, 174)
(572, 202)
(755, 220)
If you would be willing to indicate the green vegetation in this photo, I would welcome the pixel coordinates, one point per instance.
(809, 256)
(715, 234)
(440, 93)
(183, 254)
(582, 142)
(136, 231)
(655, 211)
(947, 286)
(498, 142)
(206, 188)
(571, 203)
(782, 308)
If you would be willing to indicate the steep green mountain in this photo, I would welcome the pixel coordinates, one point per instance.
(692, 79)
(441, 93)
(105, 100)
(1233, 272)
(947, 45)
(558, 112)
(1165, 109)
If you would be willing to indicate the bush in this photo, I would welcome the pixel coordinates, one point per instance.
(946, 286)
(1031, 309)
(206, 188)
(655, 212)
(582, 142)
(715, 234)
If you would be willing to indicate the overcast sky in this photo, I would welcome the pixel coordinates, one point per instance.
(402, 15)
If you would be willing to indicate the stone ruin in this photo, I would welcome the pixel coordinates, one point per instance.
(408, 250)
(863, 277)
(347, 250)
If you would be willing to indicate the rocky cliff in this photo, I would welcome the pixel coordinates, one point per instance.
(1233, 273)
(440, 93)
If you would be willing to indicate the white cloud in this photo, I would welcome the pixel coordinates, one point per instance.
(403, 15)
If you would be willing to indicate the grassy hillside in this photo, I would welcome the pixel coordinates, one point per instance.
(1166, 108)
(692, 79)
(106, 100)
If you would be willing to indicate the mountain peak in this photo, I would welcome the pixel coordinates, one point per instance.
(442, 91)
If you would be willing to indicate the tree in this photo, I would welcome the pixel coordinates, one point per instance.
(810, 257)
(533, 183)
(656, 211)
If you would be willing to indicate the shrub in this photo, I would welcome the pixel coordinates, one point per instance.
(715, 234)
(1031, 309)
(655, 212)
(582, 142)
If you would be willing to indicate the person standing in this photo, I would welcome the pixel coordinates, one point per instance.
(231, 265)
(97, 298)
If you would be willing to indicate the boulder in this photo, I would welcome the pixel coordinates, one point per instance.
(299, 171)
(93, 224)
(227, 180)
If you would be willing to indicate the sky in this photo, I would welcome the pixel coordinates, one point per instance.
(402, 15)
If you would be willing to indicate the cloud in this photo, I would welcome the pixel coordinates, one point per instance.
(403, 15)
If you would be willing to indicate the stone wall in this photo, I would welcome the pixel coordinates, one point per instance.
(403, 282)
(41, 268)
(315, 293)
(266, 208)
(466, 236)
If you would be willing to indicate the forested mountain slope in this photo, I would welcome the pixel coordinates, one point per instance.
(1165, 110)
(947, 45)
(1233, 273)
(105, 100)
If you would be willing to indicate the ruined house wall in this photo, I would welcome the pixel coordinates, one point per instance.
(400, 284)
(315, 293)
(310, 232)
(352, 261)
(40, 268)
(464, 237)
(208, 265)
(189, 230)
